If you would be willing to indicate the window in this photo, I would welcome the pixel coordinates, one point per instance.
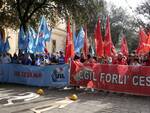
(53, 46)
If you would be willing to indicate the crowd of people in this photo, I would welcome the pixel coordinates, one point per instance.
(58, 58)
(33, 59)
(120, 59)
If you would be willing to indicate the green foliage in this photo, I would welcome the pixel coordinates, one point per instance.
(144, 11)
(122, 23)
(15, 13)
(24, 12)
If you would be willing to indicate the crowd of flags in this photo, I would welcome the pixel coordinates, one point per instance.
(35, 42)
(103, 48)
(32, 42)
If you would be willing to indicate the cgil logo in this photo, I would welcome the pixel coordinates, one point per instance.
(85, 74)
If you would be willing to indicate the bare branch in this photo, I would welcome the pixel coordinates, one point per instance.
(36, 9)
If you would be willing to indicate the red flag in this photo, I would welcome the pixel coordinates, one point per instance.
(148, 42)
(69, 51)
(46, 51)
(109, 48)
(99, 40)
(144, 42)
(85, 47)
(124, 46)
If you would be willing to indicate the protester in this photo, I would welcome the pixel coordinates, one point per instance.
(5, 59)
(121, 59)
(101, 60)
(53, 59)
(46, 59)
(57, 56)
(136, 62)
(90, 59)
(95, 59)
(61, 59)
(37, 60)
(131, 59)
(77, 57)
(82, 58)
(109, 60)
(15, 58)
(28, 60)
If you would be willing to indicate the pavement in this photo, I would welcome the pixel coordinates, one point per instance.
(23, 99)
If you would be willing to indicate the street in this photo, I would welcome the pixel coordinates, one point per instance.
(23, 99)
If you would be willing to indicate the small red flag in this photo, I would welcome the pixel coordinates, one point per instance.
(109, 48)
(124, 46)
(69, 51)
(113, 50)
(143, 46)
(99, 40)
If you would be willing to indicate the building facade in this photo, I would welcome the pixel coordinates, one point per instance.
(56, 44)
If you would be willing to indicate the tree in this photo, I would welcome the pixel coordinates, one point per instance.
(16, 13)
(24, 12)
(144, 11)
(122, 23)
(92, 10)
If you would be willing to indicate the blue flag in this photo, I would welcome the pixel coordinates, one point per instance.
(42, 36)
(32, 39)
(47, 32)
(79, 43)
(22, 39)
(30, 44)
(1, 44)
(6, 45)
(33, 33)
(74, 38)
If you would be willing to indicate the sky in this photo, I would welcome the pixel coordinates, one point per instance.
(126, 4)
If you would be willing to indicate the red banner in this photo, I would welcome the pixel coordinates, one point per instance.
(117, 78)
